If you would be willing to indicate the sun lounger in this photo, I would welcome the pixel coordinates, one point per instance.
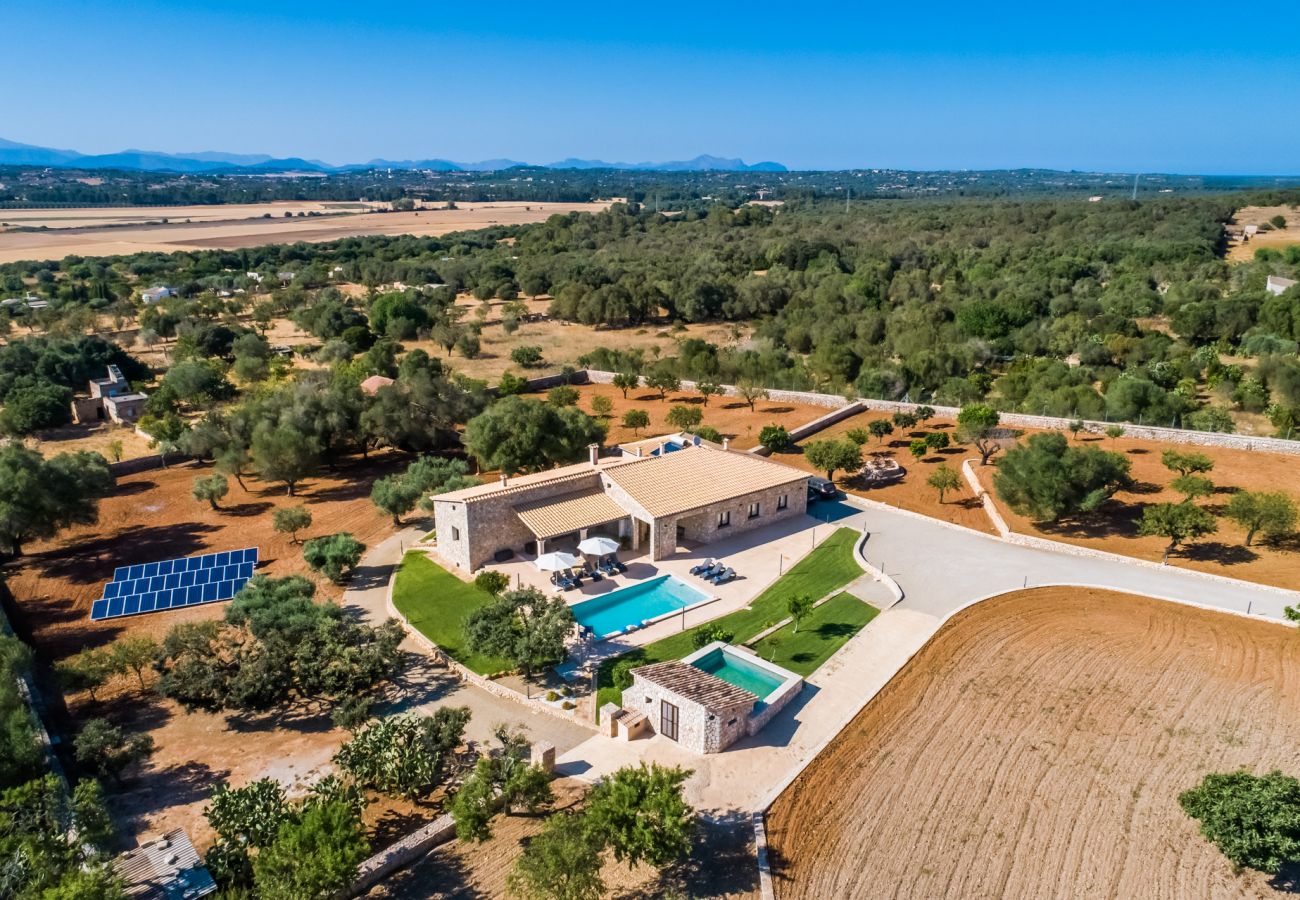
(704, 566)
(723, 577)
(713, 571)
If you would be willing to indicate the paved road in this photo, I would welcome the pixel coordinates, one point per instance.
(941, 569)
(429, 686)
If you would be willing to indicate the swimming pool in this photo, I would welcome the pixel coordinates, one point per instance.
(613, 613)
(735, 669)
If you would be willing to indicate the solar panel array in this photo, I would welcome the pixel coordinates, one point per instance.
(151, 587)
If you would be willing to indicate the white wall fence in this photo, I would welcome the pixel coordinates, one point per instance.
(846, 407)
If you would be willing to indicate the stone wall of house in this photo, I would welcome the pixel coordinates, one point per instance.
(702, 527)
(490, 523)
(699, 729)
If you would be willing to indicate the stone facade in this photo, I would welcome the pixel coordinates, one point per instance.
(469, 532)
(699, 729)
(473, 525)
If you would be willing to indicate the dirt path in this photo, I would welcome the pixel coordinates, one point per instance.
(1036, 747)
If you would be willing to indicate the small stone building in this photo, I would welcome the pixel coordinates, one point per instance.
(700, 711)
(696, 494)
(684, 701)
(110, 399)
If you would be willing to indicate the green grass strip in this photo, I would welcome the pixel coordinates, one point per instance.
(436, 603)
(823, 631)
(828, 567)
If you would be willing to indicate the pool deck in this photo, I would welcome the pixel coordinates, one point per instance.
(759, 557)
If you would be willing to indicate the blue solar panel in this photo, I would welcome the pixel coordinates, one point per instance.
(167, 584)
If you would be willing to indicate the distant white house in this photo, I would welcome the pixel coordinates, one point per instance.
(1276, 284)
(286, 277)
(154, 294)
(1250, 230)
(1096, 198)
(254, 276)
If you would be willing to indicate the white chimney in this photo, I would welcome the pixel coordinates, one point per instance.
(505, 479)
(726, 442)
(593, 453)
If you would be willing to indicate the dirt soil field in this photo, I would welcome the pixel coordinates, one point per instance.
(731, 416)
(721, 864)
(244, 231)
(95, 436)
(1114, 528)
(151, 516)
(912, 493)
(1241, 251)
(1036, 748)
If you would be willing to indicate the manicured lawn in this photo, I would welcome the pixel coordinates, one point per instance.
(829, 566)
(436, 603)
(825, 630)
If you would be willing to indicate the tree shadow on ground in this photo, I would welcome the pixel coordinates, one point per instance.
(302, 718)
(1143, 487)
(393, 825)
(720, 864)
(94, 557)
(1112, 520)
(1287, 880)
(777, 410)
(244, 510)
(1219, 552)
(179, 785)
(131, 488)
(442, 874)
(365, 578)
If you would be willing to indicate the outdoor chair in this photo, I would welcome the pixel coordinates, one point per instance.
(704, 566)
(713, 571)
(724, 576)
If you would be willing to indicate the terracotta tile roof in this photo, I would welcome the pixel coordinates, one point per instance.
(372, 384)
(521, 483)
(698, 476)
(694, 684)
(569, 512)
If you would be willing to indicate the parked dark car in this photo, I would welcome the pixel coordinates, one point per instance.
(821, 489)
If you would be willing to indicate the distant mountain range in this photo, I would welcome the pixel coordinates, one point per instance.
(208, 161)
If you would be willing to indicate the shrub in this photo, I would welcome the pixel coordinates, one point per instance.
(492, 582)
(775, 438)
(334, 556)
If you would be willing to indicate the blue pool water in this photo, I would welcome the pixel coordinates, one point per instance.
(612, 613)
(734, 669)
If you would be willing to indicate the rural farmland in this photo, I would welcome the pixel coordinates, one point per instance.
(1036, 748)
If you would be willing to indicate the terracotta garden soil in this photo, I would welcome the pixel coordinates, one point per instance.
(1114, 527)
(152, 516)
(912, 493)
(731, 416)
(1036, 748)
(721, 865)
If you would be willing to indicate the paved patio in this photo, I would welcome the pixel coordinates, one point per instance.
(759, 557)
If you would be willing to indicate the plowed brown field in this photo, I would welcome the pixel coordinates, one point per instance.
(1036, 748)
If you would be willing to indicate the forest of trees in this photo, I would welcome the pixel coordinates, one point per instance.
(1114, 310)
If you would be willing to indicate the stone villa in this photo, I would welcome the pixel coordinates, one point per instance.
(689, 492)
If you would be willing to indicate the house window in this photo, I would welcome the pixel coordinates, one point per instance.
(724, 519)
(455, 533)
(668, 720)
(754, 510)
(783, 501)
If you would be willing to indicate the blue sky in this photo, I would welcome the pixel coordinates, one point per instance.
(1172, 87)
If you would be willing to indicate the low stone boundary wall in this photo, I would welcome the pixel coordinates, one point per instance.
(145, 464)
(402, 854)
(466, 674)
(1025, 540)
(765, 890)
(1012, 419)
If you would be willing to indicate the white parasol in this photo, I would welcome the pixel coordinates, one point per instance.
(598, 546)
(557, 561)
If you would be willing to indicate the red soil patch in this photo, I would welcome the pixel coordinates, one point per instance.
(1036, 748)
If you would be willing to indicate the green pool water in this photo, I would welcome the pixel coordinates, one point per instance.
(734, 669)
